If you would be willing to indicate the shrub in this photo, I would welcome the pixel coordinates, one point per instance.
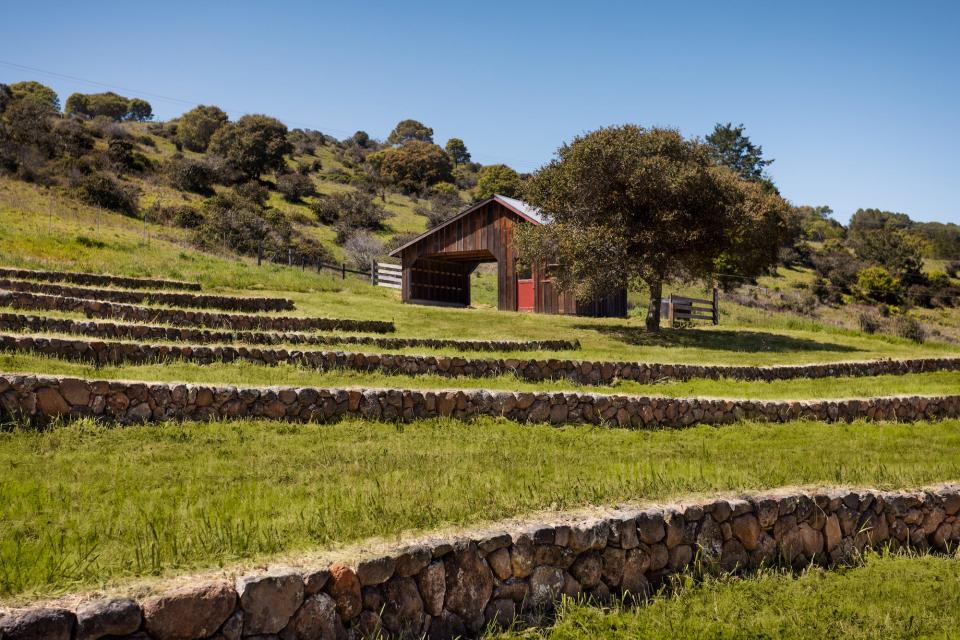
(100, 190)
(294, 187)
(869, 323)
(876, 284)
(72, 138)
(195, 127)
(178, 215)
(253, 144)
(362, 249)
(909, 328)
(413, 167)
(253, 191)
(498, 179)
(188, 174)
(337, 175)
(953, 269)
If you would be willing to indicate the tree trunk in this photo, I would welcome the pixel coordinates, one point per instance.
(653, 311)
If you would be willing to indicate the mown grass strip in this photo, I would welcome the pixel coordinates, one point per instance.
(888, 596)
(85, 505)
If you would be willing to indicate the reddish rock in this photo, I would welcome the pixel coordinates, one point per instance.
(344, 588)
(269, 601)
(189, 612)
(746, 528)
(51, 403)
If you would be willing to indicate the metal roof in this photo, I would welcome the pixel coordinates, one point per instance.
(519, 207)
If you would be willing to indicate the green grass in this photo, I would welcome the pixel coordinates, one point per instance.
(87, 506)
(887, 596)
(245, 373)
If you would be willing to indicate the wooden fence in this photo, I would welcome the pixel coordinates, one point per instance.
(385, 274)
(683, 309)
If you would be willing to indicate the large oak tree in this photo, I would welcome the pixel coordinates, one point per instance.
(631, 206)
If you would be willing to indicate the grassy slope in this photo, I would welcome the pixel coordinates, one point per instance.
(84, 505)
(887, 596)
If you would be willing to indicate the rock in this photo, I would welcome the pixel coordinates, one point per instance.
(811, 540)
(445, 626)
(831, 532)
(403, 612)
(232, 629)
(189, 612)
(269, 601)
(613, 560)
(746, 528)
(515, 589)
(710, 540)
(522, 556)
(499, 562)
(680, 557)
(376, 570)
(412, 561)
(469, 584)
(587, 569)
(546, 584)
(432, 585)
(75, 391)
(650, 528)
(315, 580)
(51, 403)
(500, 614)
(38, 624)
(107, 618)
(344, 588)
(316, 619)
(634, 580)
(734, 556)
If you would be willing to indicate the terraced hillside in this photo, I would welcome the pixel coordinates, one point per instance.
(331, 461)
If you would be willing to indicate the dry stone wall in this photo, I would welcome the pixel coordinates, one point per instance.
(39, 399)
(185, 317)
(100, 352)
(451, 588)
(45, 324)
(194, 300)
(96, 279)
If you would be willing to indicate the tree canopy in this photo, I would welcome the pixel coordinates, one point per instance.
(33, 91)
(413, 166)
(197, 126)
(457, 151)
(407, 130)
(253, 144)
(110, 105)
(633, 206)
(732, 148)
(498, 178)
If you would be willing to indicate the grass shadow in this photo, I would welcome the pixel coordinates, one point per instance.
(718, 340)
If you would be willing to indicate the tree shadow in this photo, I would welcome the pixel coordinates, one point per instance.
(718, 340)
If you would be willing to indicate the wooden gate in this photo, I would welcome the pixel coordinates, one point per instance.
(680, 308)
(385, 274)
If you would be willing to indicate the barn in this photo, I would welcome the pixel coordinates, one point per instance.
(437, 264)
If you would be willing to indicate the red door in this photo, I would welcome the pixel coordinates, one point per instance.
(525, 295)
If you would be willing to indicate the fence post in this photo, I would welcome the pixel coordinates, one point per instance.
(373, 272)
(343, 271)
(670, 309)
(289, 257)
(716, 307)
(259, 251)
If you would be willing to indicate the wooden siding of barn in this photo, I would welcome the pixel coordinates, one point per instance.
(548, 299)
(438, 267)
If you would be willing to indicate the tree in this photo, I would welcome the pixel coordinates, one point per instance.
(457, 151)
(444, 203)
(6, 97)
(895, 249)
(407, 130)
(295, 187)
(90, 105)
(40, 94)
(254, 144)
(733, 149)
(413, 167)
(197, 126)
(876, 284)
(817, 223)
(139, 110)
(630, 206)
(362, 248)
(361, 138)
(498, 179)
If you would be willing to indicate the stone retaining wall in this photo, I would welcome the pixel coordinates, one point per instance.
(194, 300)
(39, 399)
(455, 588)
(99, 352)
(185, 317)
(41, 324)
(97, 279)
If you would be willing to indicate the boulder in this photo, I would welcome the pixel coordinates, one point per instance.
(469, 584)
(189, 612)
(38, 624)
(268, 601)
(316, 619)
(344, 588)
(101, 618)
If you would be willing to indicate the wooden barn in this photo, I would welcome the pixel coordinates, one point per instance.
(437, 264)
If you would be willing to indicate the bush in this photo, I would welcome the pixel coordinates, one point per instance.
(350, 211)
(100, 190)
(195, 127)
(413, 167)
(188, 174)
(178, 215)
(72, 138)
(876, 284)
(869, 323)
(498, 179)
(953, 269)
(295, 187)
(362, 249)
(253, 144)
(909, 328)
(337, 175)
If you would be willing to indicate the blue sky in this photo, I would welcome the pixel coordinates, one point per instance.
(858, 102)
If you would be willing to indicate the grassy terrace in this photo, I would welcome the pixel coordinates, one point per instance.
(245, 373)
(888, 596)
(83, 506)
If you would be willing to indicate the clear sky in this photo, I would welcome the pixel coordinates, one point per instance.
(858, 102)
